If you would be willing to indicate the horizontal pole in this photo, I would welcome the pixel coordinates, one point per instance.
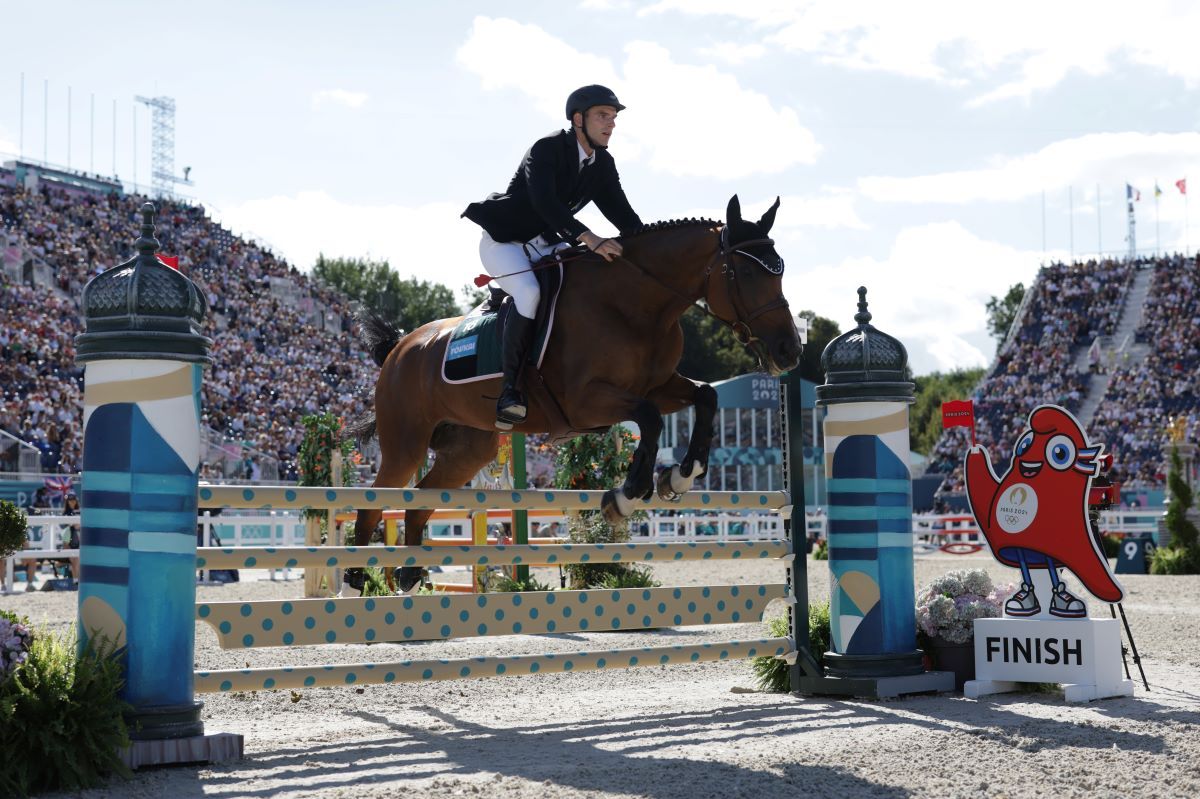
(467, 555)
(430, 617)
(308, 497)
(500, 666)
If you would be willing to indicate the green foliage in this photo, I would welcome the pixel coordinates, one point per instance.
(774, 675)
(374, 584)
(1183, 533)
(1175, 560)
(633, 577)
(821, 550)
(821, 331)
(1112, 545)
(473, 296)
(407, 303)
(502, 583)
(60, 718)
(589, 527)
(925, 417)
(1003, 312)
(597, 461)
(710, 352)
(14, 526)
(322, 435)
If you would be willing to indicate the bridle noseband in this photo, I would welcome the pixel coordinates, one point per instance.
(741, 317)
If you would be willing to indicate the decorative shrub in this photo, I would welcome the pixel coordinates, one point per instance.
(633, 577)
(502, 583)
(1112, 545)
(1174, 560)
(948, 606)
(14, 526)
(821, 550)
(774, 675)
(60, 715)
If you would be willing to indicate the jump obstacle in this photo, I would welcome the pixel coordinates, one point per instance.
(143, 353)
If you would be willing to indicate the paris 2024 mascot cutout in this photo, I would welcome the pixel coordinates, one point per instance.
(1036, 516)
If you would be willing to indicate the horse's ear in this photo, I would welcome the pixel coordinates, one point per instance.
(733, 212)
(768, 218)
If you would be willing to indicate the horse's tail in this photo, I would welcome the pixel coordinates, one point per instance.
(378, 334)
(381, 337)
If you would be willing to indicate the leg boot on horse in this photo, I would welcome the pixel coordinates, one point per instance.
(512, 406)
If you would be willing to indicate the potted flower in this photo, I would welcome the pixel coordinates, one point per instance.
(946, 611)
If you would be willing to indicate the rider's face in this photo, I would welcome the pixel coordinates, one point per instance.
(600, 121)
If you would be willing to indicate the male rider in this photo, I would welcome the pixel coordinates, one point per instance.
(559, 175)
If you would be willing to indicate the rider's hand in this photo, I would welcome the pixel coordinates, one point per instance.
(605, 248)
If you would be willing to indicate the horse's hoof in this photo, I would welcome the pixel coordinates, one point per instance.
(615, 506)
(665, 492)
(410, 577)
(503, 425)
(353, 581)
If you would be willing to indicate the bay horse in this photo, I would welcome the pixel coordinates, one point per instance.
(612, 358)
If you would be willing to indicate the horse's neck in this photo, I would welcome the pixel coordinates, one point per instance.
(676, 262)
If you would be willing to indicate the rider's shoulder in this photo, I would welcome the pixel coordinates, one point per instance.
(554, 140)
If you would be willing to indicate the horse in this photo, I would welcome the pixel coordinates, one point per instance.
(612, 357)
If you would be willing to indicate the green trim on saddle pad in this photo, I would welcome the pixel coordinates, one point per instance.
(475, 349)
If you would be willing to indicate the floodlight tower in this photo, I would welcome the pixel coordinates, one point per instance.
(163, 177)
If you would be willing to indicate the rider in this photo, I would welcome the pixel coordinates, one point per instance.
(559, 175)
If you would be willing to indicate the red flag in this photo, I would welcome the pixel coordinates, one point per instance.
(170, 260)
(959, 414)
(1181, 184)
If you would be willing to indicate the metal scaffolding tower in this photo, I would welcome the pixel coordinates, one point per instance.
(163, 177)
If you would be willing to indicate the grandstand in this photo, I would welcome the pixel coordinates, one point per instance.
(1112, 340)
(1115, 342)
(280, 345)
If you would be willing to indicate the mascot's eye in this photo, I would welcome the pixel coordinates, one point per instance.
(1060, 452)
(1025, 443)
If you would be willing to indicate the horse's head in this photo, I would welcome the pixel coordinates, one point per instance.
(749, 292)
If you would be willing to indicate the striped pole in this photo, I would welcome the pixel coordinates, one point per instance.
(143, 353)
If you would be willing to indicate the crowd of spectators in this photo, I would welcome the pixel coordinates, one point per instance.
(1067, 306)
(277, 354)
(1144, 397)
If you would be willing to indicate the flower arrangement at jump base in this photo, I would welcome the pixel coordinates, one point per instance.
(946, 612)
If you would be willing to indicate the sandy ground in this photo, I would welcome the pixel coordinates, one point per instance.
(686, 731)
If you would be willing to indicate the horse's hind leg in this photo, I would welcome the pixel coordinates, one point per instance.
(460, 453)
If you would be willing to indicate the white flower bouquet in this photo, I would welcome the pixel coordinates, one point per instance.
(948, 606)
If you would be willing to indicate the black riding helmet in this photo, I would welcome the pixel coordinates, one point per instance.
(584, 98)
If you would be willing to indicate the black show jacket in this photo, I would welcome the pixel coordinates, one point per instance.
(547, 191)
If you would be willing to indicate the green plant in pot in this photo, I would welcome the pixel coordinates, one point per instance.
(946, 612)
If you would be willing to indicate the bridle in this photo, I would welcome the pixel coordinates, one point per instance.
(741, 317)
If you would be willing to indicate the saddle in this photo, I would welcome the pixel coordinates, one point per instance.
(473, 353)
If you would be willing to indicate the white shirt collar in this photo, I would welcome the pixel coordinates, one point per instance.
(584, 158)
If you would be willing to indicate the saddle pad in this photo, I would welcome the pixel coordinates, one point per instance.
(475, 349)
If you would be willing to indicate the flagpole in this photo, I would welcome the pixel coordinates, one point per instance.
(1157, 236)
(1044, 223)
(1099, 234)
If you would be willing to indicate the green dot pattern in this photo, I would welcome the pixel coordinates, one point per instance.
(469, 668)
(424, 618)
(467, 555)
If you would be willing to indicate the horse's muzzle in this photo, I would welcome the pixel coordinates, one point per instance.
(785, 353)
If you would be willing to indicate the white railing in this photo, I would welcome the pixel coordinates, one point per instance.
(44, 540)
(271, 529)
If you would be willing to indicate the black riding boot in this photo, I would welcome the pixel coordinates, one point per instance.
(511, 406)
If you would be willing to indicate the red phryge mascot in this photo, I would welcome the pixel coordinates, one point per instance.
(1036, 516)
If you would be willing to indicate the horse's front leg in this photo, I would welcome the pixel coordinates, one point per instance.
(678, 393)
(618, 504)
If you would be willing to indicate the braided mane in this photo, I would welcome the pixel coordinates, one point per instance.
(671, 224)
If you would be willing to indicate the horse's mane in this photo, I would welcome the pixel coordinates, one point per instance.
(671, 224)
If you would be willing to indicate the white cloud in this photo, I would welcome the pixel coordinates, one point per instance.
(929, 292)
(338, 97)
(428, 242)
(743, 133)
(1110, 159)
(972, 43)
(734, 53)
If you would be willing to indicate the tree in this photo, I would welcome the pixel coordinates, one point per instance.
(710, 352)
(821, 331)
(1183, 533)
(1003, 312)
(925, 418)
(407, 303)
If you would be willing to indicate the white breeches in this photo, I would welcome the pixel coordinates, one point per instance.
(506, 257)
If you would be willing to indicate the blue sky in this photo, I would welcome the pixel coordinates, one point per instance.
(911, 142)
